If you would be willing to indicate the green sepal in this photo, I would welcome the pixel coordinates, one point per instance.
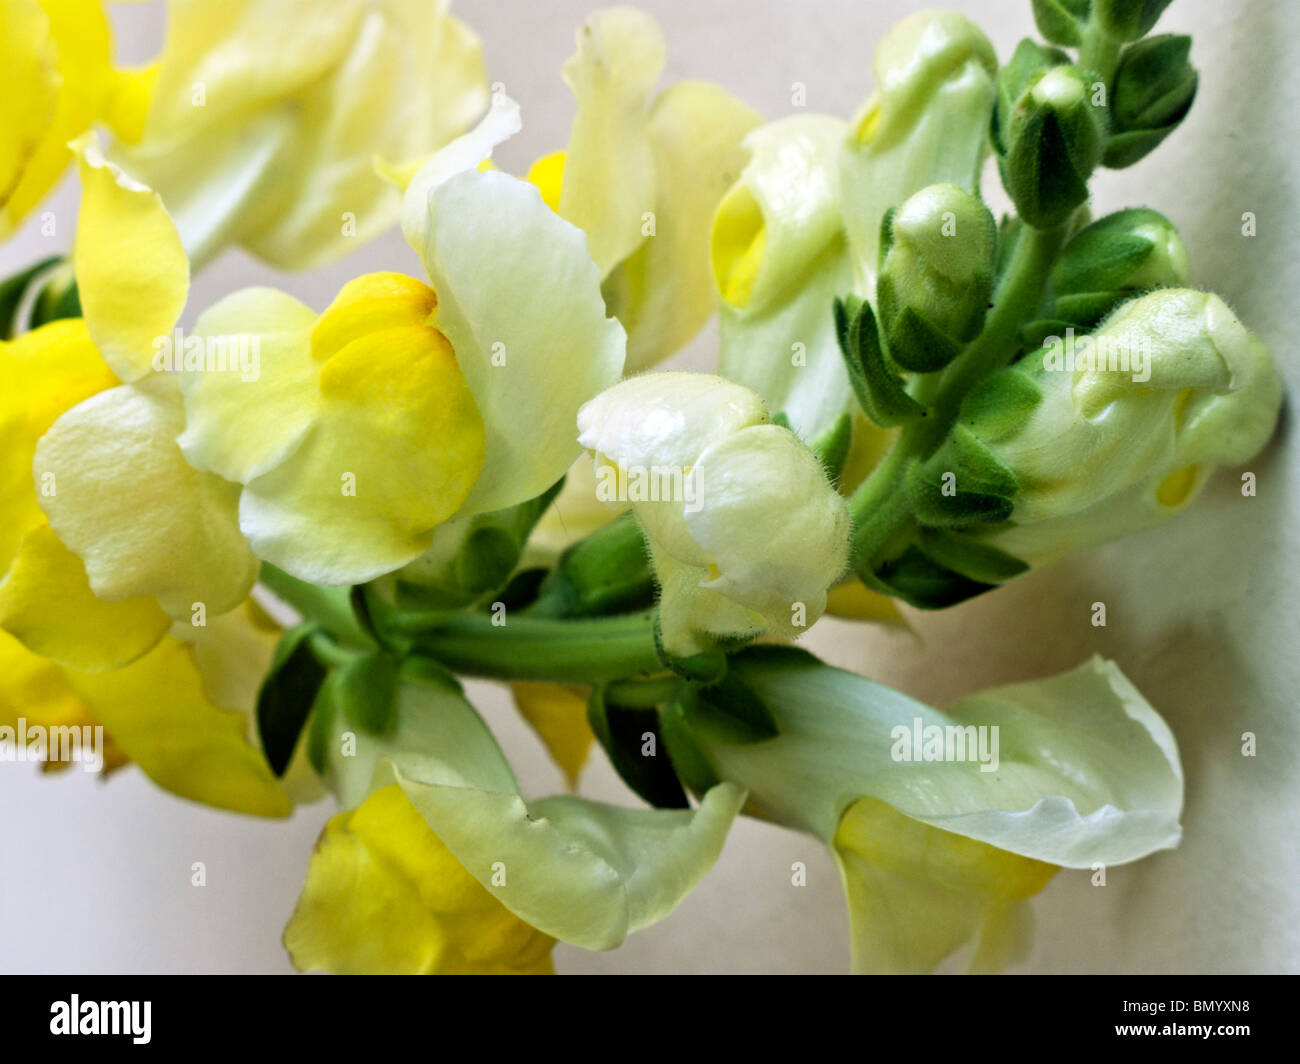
(999, 405)
(1101, 257)
(879, 390)
(1026, 65)
(918, 346)
(690, 763)
(832, 446)
(607, 572)
(1061, 21)
(1125, 149)
(622, 732)
(365, 691)
(287, 694)
(12, 290)
(1033, 333)
(922, 582)
(708, 666)
(1043, 173)
(979, 561)
(980, 490)
(727, 712)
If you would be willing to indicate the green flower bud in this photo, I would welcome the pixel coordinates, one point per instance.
(1153, 91)
(1127, 20)
(936, 275)
(1109, 261)
(1049, 134)
(1118, 430)
(926, 122)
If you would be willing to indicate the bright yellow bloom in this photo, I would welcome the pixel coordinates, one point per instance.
(384, 895)
(58, 79)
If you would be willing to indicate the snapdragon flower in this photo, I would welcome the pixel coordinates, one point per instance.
(438, 807)
(1100, 450)
(744, 529)
(939, 849)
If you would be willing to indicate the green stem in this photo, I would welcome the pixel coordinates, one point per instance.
(879, 506)
(329, 607)
(653, 691)
(328, 652)
(596, 650)
(1099, 53)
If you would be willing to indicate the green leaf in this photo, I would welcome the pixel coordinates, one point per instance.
(12, 290)
(1124, 149)
(726, 712)
(287, 694)
(1127, 20)
(625, 732)
(879, 390)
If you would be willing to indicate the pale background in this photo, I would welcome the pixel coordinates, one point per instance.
(1202, 614)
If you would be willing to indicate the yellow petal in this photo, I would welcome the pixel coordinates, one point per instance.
(46, 371)
(547, 173)
(157, 710)
(384, 895)
(917, 894)
(34, 688)
(396, 448)
(47, 603)
(558, 713)
(29, 83)
(132, 273)
(368, 304)
(77, 54)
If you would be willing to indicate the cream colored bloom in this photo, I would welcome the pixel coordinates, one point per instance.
(744, 529)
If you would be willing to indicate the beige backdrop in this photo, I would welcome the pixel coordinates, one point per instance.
(1202, 615)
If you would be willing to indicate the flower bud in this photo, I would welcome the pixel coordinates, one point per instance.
(924, 124)
(745, 532)
(1117, 431)
(936, 275)
(1109, 261)
(1154, 88)
(1048, 134)
(1127, 20)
